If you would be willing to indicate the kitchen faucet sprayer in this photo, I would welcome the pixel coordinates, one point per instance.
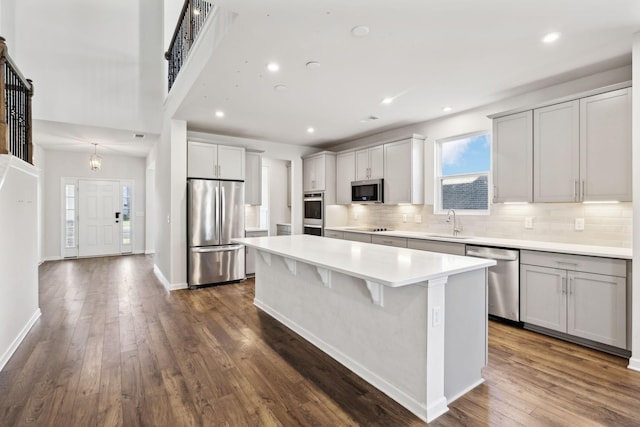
(455, 227)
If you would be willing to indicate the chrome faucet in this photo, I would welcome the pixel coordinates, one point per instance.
(456, 229)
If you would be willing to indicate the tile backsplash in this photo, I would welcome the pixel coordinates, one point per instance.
(604, 224)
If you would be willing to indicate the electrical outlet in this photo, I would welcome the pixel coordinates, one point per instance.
(528, 223)
(404, 217)
(579, 224)
(418, 219)
(437, 316)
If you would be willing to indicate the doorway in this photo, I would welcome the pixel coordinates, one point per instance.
(96, 217)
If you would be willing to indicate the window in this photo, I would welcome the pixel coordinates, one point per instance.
(462, 173)
(70, 216)
(126, 216)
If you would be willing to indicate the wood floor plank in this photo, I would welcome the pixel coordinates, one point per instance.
(113, 348)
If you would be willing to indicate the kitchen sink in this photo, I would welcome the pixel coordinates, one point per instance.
(447, 236)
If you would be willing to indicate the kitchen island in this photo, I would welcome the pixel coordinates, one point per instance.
(411, 323)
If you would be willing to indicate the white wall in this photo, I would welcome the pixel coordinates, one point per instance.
(18, 253)
(7, 21)
(634, 362)
(86, 73)
(61, 164)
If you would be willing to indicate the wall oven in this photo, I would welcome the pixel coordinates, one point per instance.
(313, 222)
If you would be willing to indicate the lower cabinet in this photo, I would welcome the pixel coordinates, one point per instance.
(333, 234)
(250, 253)
(357, 237)
(398, 242)
(581, 296)
(437, 246)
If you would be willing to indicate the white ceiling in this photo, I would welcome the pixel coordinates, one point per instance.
(426, 54)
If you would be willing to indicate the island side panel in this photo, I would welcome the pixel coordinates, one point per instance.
(466, 332)
(387, 346)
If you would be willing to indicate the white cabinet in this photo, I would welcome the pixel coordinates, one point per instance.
(370, 163)
(345, 174)
(605, 146)
(556, 148)
(253, 181)
(214, 161)
(513, 158)
(581, 296)
(289, 184)
(404, 171)
(319, 174)
(437, 246)
(250, 253)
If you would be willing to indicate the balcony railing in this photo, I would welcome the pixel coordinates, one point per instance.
(192, 19)
(15, 117)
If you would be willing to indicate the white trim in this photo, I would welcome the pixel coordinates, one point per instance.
(53, 258)
(634, 364)
(149, 251)
(18, 340)
(381, 384)
(165, 283)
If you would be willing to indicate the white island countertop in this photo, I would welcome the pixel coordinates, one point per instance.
(386, 265)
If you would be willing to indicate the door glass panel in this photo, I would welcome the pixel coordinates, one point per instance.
(70, 215)
(126, 215)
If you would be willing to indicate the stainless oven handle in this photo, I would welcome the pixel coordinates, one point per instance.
(311, 226)
(313, 199)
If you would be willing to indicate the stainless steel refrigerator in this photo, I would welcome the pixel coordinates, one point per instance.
(215, 215)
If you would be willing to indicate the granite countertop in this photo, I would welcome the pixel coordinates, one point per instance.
(567, 248)
(386, 265)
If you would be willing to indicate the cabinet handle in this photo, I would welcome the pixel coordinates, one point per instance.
(564, 285)
(575, 190)
(582, 198)
(571, 286)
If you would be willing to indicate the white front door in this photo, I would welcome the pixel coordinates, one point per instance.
(99, 228)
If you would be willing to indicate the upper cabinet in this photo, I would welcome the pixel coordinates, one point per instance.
(345, 174)
(369, 163)
(556, 148)
(212, 161)
(319, 174)
(404, 171)
(512, 158)
(253, 181)
(605, 146)
(581, 151)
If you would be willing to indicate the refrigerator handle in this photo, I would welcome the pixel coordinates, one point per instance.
(209, 249)
(222, 208)
(217, 214)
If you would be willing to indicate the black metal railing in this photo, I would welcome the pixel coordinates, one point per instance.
(15, 117)
(192, 19)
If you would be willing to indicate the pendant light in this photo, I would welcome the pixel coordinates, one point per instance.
(95, 161)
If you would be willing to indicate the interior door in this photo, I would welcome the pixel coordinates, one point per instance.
(99, 227)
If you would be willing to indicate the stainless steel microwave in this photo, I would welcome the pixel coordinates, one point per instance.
(369, 191)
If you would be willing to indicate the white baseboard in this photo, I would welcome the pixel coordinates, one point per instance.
(418, 408)
(149, 252)
(138, 252)
(51, 258)
(634, 363)
(18, 340)
(167, 285)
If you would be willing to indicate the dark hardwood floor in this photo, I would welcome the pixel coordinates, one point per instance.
(113, 348)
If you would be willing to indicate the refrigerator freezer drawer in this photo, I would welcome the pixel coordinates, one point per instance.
(216, 264)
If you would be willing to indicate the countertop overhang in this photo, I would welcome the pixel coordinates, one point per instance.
(534, 245)
(386, 265)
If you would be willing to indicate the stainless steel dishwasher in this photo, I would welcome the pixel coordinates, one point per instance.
(504, 280)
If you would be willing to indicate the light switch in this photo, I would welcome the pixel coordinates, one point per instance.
(579, 224)
(528, 223)
(404, 217)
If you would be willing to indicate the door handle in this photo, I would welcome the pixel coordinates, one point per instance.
(564, 285)
(117, 215)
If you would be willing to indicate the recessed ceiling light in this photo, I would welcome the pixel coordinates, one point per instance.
(219, 113)
(446, 109)
(312, 65)
(273, 67)
(360, 31)
(310, 130)
(280, 88)
(387, 100)
(551, 37)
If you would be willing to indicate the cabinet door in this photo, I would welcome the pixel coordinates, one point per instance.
(543, 298)
(253, 181)
(308, 174)
(398, 242)
(345, 173)
(556, 148)
(230, 162)
(357, 237)
(397, 172)
(289, 184)
(201, 160)
(437, 246)
(333, 234)
(376, 162)
(513, 158)
(597, 308)
(605, 146)
(362, 165)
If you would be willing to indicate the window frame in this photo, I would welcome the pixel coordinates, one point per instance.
(438, 177)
